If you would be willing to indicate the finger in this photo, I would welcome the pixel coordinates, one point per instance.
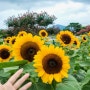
(26, 86)
(21, 81)
(8, 86)
(1, 87)
(15, 76)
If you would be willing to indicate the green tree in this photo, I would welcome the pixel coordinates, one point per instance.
(30, 21)
(74, 27)
(52, 30)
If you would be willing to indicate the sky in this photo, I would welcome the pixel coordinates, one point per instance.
(66, 11)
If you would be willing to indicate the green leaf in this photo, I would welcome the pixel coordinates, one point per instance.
(70, 52)
(5, 74)
(11, 64)
(86, 86)
(40, 86)
(84, 63)
(72, 64)
(28, 68)
(86, 79)
(69, 84)
(11, 69)
(79, 75)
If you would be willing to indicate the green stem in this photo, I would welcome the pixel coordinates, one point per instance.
(52, 88)
(53, 85)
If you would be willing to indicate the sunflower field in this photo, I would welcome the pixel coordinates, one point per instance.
(59, 62)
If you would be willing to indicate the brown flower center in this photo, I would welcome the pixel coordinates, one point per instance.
(52, 64)
(21, 34)
(43, 34)
(75, 42)
(66, 38)
(28, 50)
(84, 38)
(4, 53)
(13, 41)
(7, 41)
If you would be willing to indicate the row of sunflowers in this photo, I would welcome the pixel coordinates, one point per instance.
(59, 62)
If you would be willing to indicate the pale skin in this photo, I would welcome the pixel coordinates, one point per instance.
(14, 83)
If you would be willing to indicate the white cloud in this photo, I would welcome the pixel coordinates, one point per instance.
(8, 13)
(69, 12)
(65, 12)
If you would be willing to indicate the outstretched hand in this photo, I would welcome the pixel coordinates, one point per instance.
(14, 84)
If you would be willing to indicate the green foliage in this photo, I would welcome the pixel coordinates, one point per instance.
(86, 82)
(74, 27)
(79, 73)
(69, 84)
(11, 64)
(53, 30)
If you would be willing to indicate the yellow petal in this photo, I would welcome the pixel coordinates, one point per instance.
(57, 77)
(50, 78)
(45, 78)
(41, 73)
(64, 74)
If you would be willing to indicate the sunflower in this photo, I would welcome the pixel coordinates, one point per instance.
(57, 37)
(84, 38)
(66, 38)
(26, 47)
(43, 33)
(88, 33)
(7, 40)
(51, 63)
(22, 33)
(12, 40)
(5, 53)
(76, 44)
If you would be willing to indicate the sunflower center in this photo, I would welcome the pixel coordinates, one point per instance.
(75, 42)
(31, 51)
(28, 50)
(52, 64)
(43, 34)
(13, 41)
(4, 53)
(7, 41)
(21, 34)
(66, 38)
(84, 38)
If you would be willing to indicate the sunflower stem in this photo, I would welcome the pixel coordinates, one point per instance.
(52, 88)
(53, 85)
(53, 42)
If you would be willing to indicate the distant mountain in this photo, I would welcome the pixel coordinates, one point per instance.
(61, 27)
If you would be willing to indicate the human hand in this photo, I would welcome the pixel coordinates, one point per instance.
(12, 84)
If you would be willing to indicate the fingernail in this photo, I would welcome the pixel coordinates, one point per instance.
(30, 83)
(27, 74)
(21, 69)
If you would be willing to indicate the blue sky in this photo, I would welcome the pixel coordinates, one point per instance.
(66, 11)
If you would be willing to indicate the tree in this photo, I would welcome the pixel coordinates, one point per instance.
(74, 27)
(30, 21)
(53, 30)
